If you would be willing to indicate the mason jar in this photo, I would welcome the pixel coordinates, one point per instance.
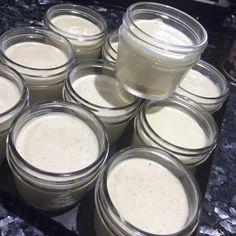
(42, 57)
(14, 97)
(205, 85)
(52, 164)
(84, 28)
(158, 44)
(110, 47)
(178, 126)
(93, 85)
(146, 191)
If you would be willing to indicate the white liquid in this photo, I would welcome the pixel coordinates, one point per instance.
(102, 90)
(157, 29)
(75, 25)
(36, 55)
(176, 127)
(199, 84)
(148, 196)
(144, 66)
(57, 142)
(9, 95)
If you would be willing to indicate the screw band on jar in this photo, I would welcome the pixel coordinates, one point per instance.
(156, 48)
(14, 97)
(146, 181)
(178, 126)
(56, 166)
(83, 27)
(93, 85)
(205, 85)
(42, 57)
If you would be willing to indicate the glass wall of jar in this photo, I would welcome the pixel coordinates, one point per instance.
(205, 85)
(158, 45)
(14, 97)
(83, 27)
(179, 126)
(146, 181)
(52, 163)
(93, 84)
(110, 47)
(42, 57)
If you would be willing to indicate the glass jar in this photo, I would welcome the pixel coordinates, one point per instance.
(114, 117)
(144, 132)
(110, 222)
(158, 45)
(86, 42)
(209, 95)
(44, 83)
(48, 190)
(8, 116)
(110, 47)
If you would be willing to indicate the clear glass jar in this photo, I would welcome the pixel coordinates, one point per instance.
(144, 133)
(195, 91)
(8, 116)
(87, 46)
(44, 84)
(151, 67)
(110, 47)
(109, 222)
(114, 118)
(47, 190)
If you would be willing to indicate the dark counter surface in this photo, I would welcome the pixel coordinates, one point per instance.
(219, 201)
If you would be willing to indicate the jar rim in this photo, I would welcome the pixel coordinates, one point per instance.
(24, 93)
(59, 105)
(183, 102)
(168, 159)
(151, 6)
(79, 10)
(96, 64)
(32, 30)
(220, 77)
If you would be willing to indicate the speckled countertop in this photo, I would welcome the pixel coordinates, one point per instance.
(219, 203)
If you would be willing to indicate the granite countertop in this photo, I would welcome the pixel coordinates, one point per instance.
(219, 201)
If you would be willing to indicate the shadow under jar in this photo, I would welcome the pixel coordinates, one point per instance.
(205, 85)
(146, 191)
(179, 126)
(93, 84)
(158, 45)
(14, 97)
(42, 57)
(56, 151)
(83, 27)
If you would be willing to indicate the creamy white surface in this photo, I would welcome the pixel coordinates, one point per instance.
(163, 32)
(114, 45)
(75, 25)
(57, 142)
(176, 127)
(199, 84)
(102, 90)
(36, 55)
(148, 196)
(9, 94)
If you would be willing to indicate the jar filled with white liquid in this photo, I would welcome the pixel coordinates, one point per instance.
(14, 97)
(205, 85)
(146, 191)
(93, 85)
(110, 47)
(83, 27)
(178, 126)
(42, 57)
(158, 44)
(56, 151)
